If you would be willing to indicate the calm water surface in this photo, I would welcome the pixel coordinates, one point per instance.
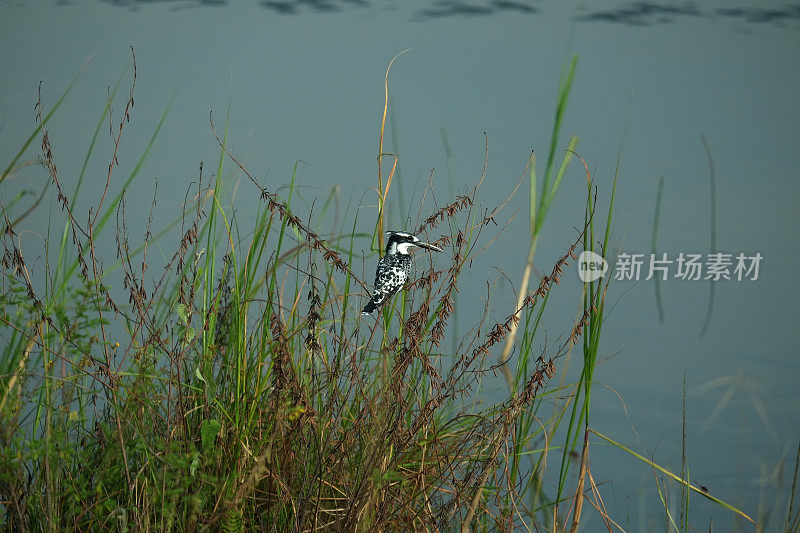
(305, 82)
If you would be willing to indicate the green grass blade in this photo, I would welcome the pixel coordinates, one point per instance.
(675, 477)
(38, 130)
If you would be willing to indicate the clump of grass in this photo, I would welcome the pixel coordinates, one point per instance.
(237, 387)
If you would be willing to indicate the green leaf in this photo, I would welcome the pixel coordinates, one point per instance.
(209, 429)
(195, 463)
(295, 412)
(183, 314)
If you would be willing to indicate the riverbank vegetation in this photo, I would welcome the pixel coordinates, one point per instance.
(237, 387)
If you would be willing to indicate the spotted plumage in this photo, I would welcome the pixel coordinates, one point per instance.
(394, 267)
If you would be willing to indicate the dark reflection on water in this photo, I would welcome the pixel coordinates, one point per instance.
(176, 3)
(438, 9)
(649, 13)
(293, 7)
(632, 13)
(643, 13)
(446, 8)
(761, 15)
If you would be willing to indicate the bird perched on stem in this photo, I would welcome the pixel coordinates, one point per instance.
(394, 267)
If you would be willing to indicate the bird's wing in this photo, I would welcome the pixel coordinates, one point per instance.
(390, 276)
(380, 269)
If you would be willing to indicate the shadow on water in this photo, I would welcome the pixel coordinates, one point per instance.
(762, 15)
(640, 13)
(650, 13)
(141, 3)
(439, 9)
(643, 13)
(296, 7)
(448, 8)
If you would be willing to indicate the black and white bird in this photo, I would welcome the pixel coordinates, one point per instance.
(394, 267)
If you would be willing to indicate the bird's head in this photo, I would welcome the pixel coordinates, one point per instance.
(400, 242)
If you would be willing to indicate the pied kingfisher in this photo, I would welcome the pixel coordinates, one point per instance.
(394, 267)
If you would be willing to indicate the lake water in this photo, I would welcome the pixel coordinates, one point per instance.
(304, 80)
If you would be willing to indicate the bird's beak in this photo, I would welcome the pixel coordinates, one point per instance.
(422, 244)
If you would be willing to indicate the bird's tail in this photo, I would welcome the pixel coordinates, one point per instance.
(373, 303)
